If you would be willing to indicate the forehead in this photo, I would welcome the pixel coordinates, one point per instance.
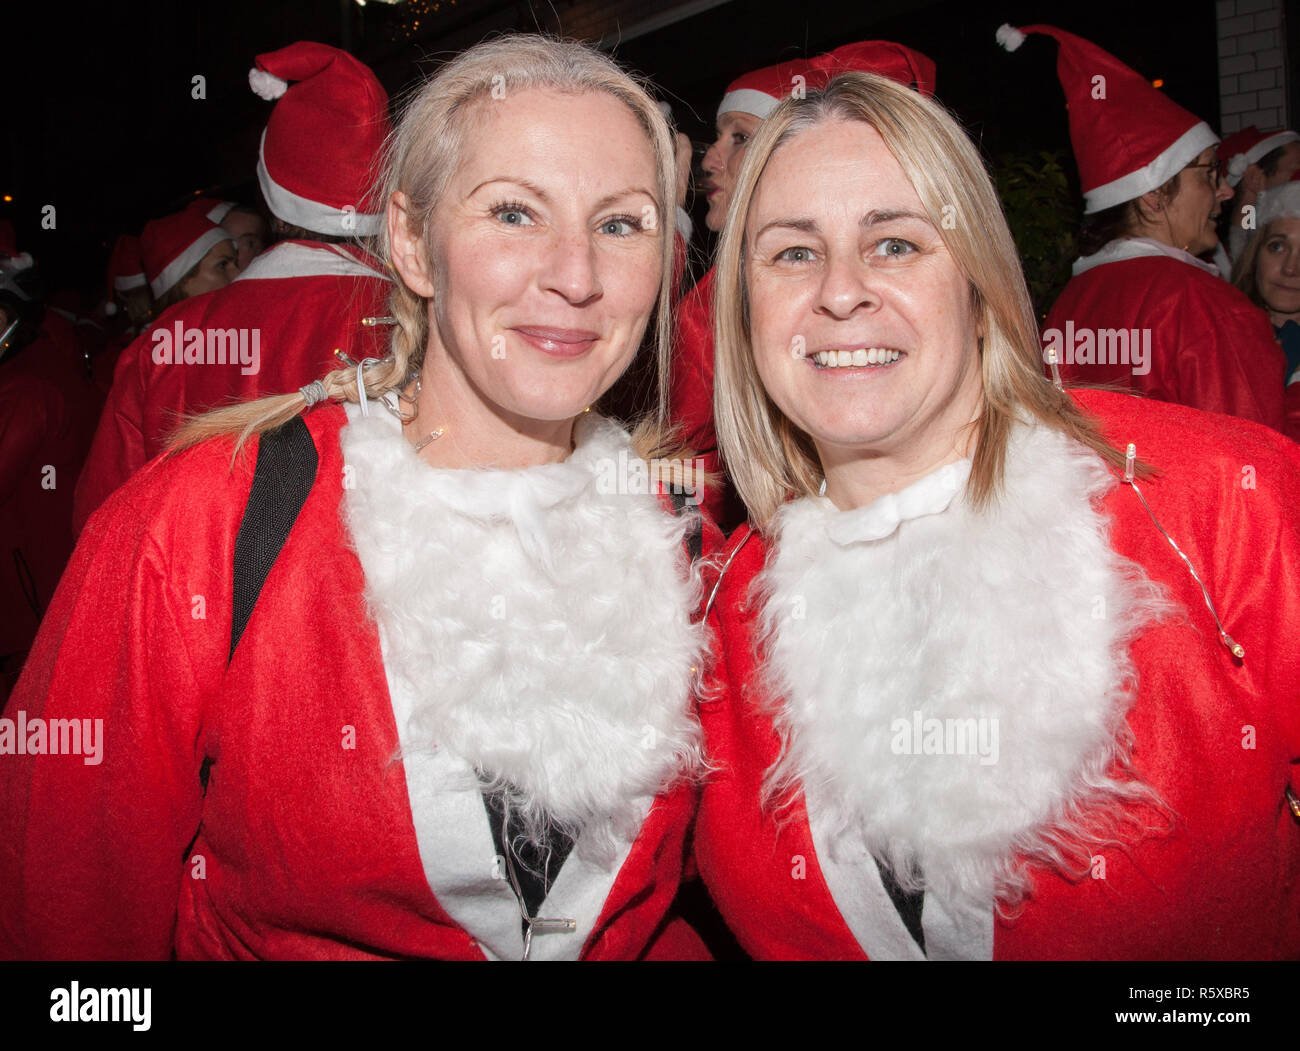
(836, 169)
(590, 137)
(738, 120)
(1288, 227)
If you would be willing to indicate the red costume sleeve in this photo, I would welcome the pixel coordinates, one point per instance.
(92, 846)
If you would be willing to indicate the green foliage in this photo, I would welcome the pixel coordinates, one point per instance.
(1043, 215)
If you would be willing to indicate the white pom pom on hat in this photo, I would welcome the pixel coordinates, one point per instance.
(266, 85)
(1009, 37)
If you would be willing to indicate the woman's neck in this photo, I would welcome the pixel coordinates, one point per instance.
(856, 477)
(475, 434)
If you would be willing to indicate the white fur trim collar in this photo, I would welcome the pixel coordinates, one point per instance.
(1123, 248)
(955, 687)
(542, 623)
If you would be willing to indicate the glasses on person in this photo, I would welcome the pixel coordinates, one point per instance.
(1215, 176)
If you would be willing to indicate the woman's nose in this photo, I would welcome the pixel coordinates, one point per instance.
(847, 285)
(571, 268)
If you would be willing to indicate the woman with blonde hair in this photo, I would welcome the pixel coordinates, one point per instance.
(989, 687)
(401, 664)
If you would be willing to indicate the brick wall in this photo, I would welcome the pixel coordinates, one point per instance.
(1252, 65)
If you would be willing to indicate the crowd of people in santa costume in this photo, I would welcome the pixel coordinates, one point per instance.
(446, 581)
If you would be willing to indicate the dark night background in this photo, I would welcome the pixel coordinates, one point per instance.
(101, 123)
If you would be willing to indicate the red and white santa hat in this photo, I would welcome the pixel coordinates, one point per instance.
(1129, 138)
(211, 207)
(319, 152)
(125, 271)
(171, 246)
(1249, 146)
(758, 93)
(1278, 202)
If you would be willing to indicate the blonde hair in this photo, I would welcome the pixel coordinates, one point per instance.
(419, 158)
(770, 460)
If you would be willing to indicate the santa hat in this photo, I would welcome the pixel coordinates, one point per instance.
(1249, 146)
(171, 247)
(1128, 137)
(214, 209)
(758, 93)
(1278, 202)
(319, 151)
(125, 271)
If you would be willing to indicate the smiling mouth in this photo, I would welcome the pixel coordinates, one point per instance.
(558, 342)
(862, 357)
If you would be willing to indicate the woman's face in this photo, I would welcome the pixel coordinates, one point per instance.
(722, 162)
(249, 234)
(843, 265)
(1277, 267)
(545, 253)
(216, 270)
(1195, 208)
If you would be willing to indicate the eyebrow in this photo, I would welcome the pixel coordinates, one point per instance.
(872, 218)
(541, 194)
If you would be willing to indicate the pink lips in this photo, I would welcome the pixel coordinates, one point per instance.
(558, 342)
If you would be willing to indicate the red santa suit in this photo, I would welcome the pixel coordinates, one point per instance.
(690, 393)
(418, 624)
(1203, 343)
(47, 415)
(986, 702)
(270, 331)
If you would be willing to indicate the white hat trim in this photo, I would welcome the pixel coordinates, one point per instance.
(1174, 159)
(746, 100)
(1257, 153)
(126, 282)
(309, 214)
(180, 266)
(1279, 202)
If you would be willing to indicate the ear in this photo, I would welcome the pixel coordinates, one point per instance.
(410, 257)
(1150, 203)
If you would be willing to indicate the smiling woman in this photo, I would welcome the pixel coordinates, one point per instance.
(971, 703)
(457, 719)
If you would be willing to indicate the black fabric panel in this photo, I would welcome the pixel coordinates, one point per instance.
(908, 903)
(695, 535)
(286, 469)
(535, 866)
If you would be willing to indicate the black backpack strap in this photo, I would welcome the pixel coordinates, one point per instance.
(285, 472)
(695, 535)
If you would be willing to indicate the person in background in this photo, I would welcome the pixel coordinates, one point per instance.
(184, 255)
(295, 304)
(748, 100)
(48, 409)
(246, 225)
(1141, 312)
(1254, 161)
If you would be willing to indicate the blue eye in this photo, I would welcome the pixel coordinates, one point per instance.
(620, 226)
(513, 214)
